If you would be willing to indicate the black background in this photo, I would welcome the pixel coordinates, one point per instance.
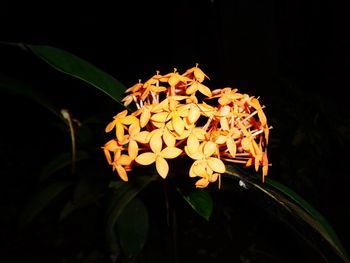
(279, 50)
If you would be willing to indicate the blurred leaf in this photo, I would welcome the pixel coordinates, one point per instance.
(132, 227)
(124, 193)
(61, 162)
(74, 66)
(42, 200)
(201, 201)
(293, 204)
(87, 192)
(20, 88)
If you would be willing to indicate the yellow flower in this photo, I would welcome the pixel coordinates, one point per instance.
(119, 162)
(119, 121)
(158, 155)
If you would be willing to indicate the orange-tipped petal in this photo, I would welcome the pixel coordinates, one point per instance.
(146, 158)
(162, 167)
(216, 165)
(170, 152)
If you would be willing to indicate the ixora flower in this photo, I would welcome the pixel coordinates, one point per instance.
(177, 115)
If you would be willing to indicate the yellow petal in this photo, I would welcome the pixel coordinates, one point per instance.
(162, 167)
(108, 156)
(178, 124)
(202, 183)
(198, 74)
(146, 158)
(216, 165)
(129, 120)
(220, 139)
(199, 133)
(194, 114)
(199, 170)
(231, 146)
(235, 133)
(124, 160)
(195, 156)
(192, 88)
(121, 172)
(160, 117)
(183, 110)
(145, 116)
(160, 106)
(156, 142)
(246, 144)
(204, 90)
(120, 131)
(110, 126)
(224, 124)
(170, 152)
(111, 145)
(262, 117)
(142, 137)
(121, 114)
(257, 162)
(174, 79)
(224, 100)
(191, 172)
(168, 138)
(133, 149)
(209, 148)
(134, 128)
(192, 143)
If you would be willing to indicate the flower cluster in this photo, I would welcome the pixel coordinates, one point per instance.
(178, 115)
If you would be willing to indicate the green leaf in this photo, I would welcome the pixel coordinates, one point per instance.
(60, 162)
(20, 88)
(201, 201)
(86, 193)
(132, 227)
(72, 65)
(293, 204)
(119, 200)
(42, 200)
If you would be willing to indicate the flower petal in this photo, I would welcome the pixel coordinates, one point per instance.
(178, 124)
(156, 142)
(124, 160)
(133, 149)
(202, 183)
(121, 172)
(134, 128)
(129, 120)
(170, 152)
(194, 113)
(231, 146)
(142, 137)
(204, 90)
(160, 117)
(209, 148)
(146, 158)
(168, 138)
(145, 116)
(216, 165)
(162, 167)
(110, 126)
(119, 131)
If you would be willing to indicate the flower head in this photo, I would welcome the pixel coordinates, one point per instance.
(211, 127)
